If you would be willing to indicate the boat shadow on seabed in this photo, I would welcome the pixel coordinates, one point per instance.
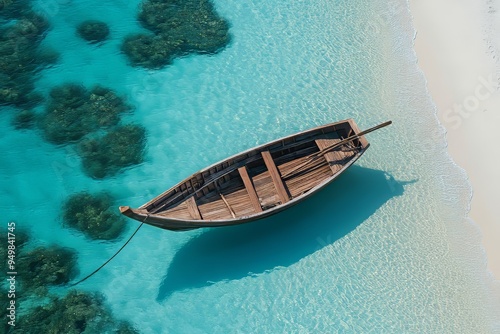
(231, 253)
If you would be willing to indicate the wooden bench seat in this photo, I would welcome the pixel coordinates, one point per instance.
(254, 199)
(276, 177)
(193, 208)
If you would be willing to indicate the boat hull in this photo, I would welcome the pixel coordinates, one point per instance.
(173, 224)
(258, 182)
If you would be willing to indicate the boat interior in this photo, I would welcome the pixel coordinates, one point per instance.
(260, 179)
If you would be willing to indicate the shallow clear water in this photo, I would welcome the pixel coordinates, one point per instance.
(386, 248)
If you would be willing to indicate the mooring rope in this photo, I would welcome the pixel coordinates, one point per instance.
(111, 258)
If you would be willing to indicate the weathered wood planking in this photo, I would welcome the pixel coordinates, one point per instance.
(193, 208)
(283, 172)
(335, 157)
(276, 177)
(254, 199)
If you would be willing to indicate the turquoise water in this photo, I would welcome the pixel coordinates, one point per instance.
(386, 249)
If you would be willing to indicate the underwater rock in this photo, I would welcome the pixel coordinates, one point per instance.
(53, 265)
(73, 112)
(77, 312)
(24, 119)
(150, 51)
(93, 31)
(21, 238)
(93, 215)
(179, 28)
(106, 156)
(13, 9)
(20, 57)
(18, 91)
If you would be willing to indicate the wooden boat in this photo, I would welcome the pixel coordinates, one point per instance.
(258, 182)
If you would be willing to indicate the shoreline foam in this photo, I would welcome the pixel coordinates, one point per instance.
(462, 80)
(463, 235)
(395, 272)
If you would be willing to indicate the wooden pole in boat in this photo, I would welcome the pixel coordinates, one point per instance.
(257, 157)
(225, 201)
(228, 206)
(315, 155)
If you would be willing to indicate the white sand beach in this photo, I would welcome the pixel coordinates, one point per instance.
(455, 52)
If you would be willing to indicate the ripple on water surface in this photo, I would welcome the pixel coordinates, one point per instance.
(374, 252)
